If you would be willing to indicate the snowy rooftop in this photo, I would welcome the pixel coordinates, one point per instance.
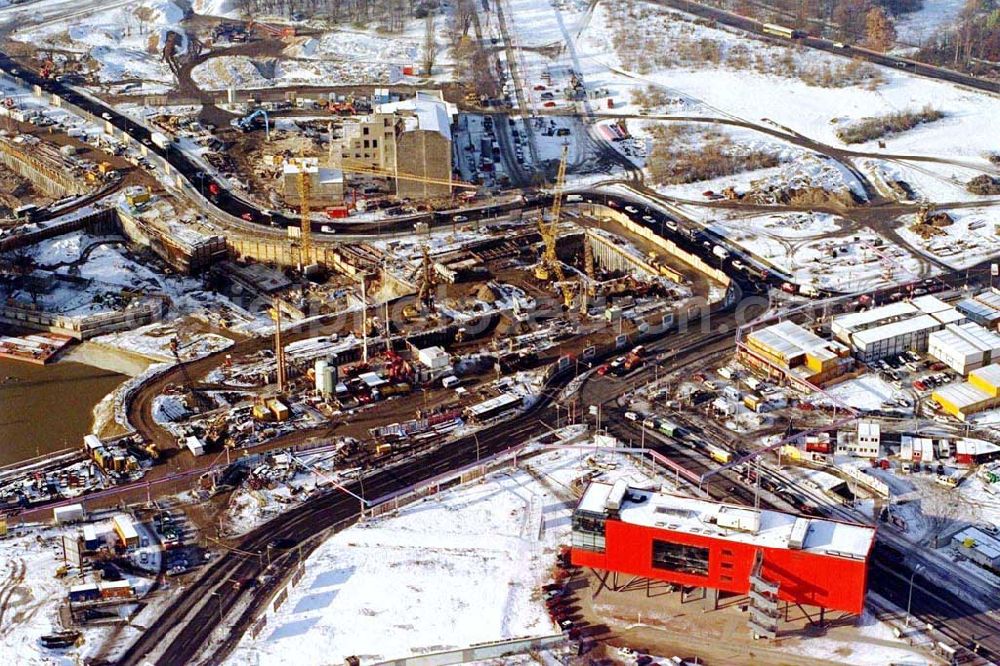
(930, 304)
(858, 320)
(968, 338)
(989, 374)
(430, 114)
(961, 395)
(696, 516)
(895, 329)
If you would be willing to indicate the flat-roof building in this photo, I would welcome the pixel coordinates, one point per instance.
(890, 329)
(983, 312)
(964, 348)
(722, 547)
(963, 400)
(798, 352)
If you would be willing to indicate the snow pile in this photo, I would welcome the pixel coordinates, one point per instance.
(224, 8)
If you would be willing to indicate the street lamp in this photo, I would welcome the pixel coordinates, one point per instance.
(909, 596)
(219, 597)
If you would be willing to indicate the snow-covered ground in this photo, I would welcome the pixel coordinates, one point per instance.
(935, 17)
(154, 342)
(970, 240)
(869, 393)
(458, 568)
(122, 43)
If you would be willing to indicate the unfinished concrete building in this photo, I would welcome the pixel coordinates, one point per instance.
(411, 138)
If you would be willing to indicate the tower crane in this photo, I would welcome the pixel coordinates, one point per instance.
(550, 264)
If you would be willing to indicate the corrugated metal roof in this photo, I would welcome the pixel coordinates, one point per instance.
(983, 338)
(857, 320)
(978, 309)
(895, 329)
(990, 374)
(961, 395)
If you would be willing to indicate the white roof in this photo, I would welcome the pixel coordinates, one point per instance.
(989, 374)
(430, 113)
(870, 429)
(930, 304)
(982, 338)
(894, 330)
(371, 379)
(950, 316)
(961, 395)
(502, 400)
(856, 320)
(696, 516)
(975, 447)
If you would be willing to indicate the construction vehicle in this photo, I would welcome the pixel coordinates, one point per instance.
(249, 122)
(398, 369)
(549, 264)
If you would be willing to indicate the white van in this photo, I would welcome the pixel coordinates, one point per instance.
(449, 381)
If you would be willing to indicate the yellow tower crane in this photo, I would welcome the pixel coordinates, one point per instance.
(550, 263)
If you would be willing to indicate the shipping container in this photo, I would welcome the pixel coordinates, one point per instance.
(68, 514)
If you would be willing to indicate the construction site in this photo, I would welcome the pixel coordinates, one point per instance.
(591, 310)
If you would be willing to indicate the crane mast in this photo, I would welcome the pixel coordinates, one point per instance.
(550, 263)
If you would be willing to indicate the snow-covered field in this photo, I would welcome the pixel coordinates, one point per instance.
(119, 43)
(971, 239)
(462, 567)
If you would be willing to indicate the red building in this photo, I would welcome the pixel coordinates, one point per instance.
(707, 544)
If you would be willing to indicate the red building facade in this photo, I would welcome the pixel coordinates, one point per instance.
(705, 544)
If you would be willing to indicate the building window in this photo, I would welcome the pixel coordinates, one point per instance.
(680, 557)
(374, 143)
(367, 143)
(727, 565)
(726, 579)
(588, 532)
(364, 130)
(726, 552)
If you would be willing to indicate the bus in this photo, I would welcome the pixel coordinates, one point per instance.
(719, 454)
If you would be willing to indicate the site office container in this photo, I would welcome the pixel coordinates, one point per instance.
(836, 583)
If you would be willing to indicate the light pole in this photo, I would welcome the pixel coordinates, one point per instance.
(475, 436)
(219, 597)
(909, 596)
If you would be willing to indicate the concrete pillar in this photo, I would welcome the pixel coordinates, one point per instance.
(711, 600)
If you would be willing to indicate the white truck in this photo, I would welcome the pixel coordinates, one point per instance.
(160, 140)
(720, 252)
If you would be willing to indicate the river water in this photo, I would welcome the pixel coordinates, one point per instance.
(47, 408)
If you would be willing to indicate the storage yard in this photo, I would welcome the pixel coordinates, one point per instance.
(500, 331)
